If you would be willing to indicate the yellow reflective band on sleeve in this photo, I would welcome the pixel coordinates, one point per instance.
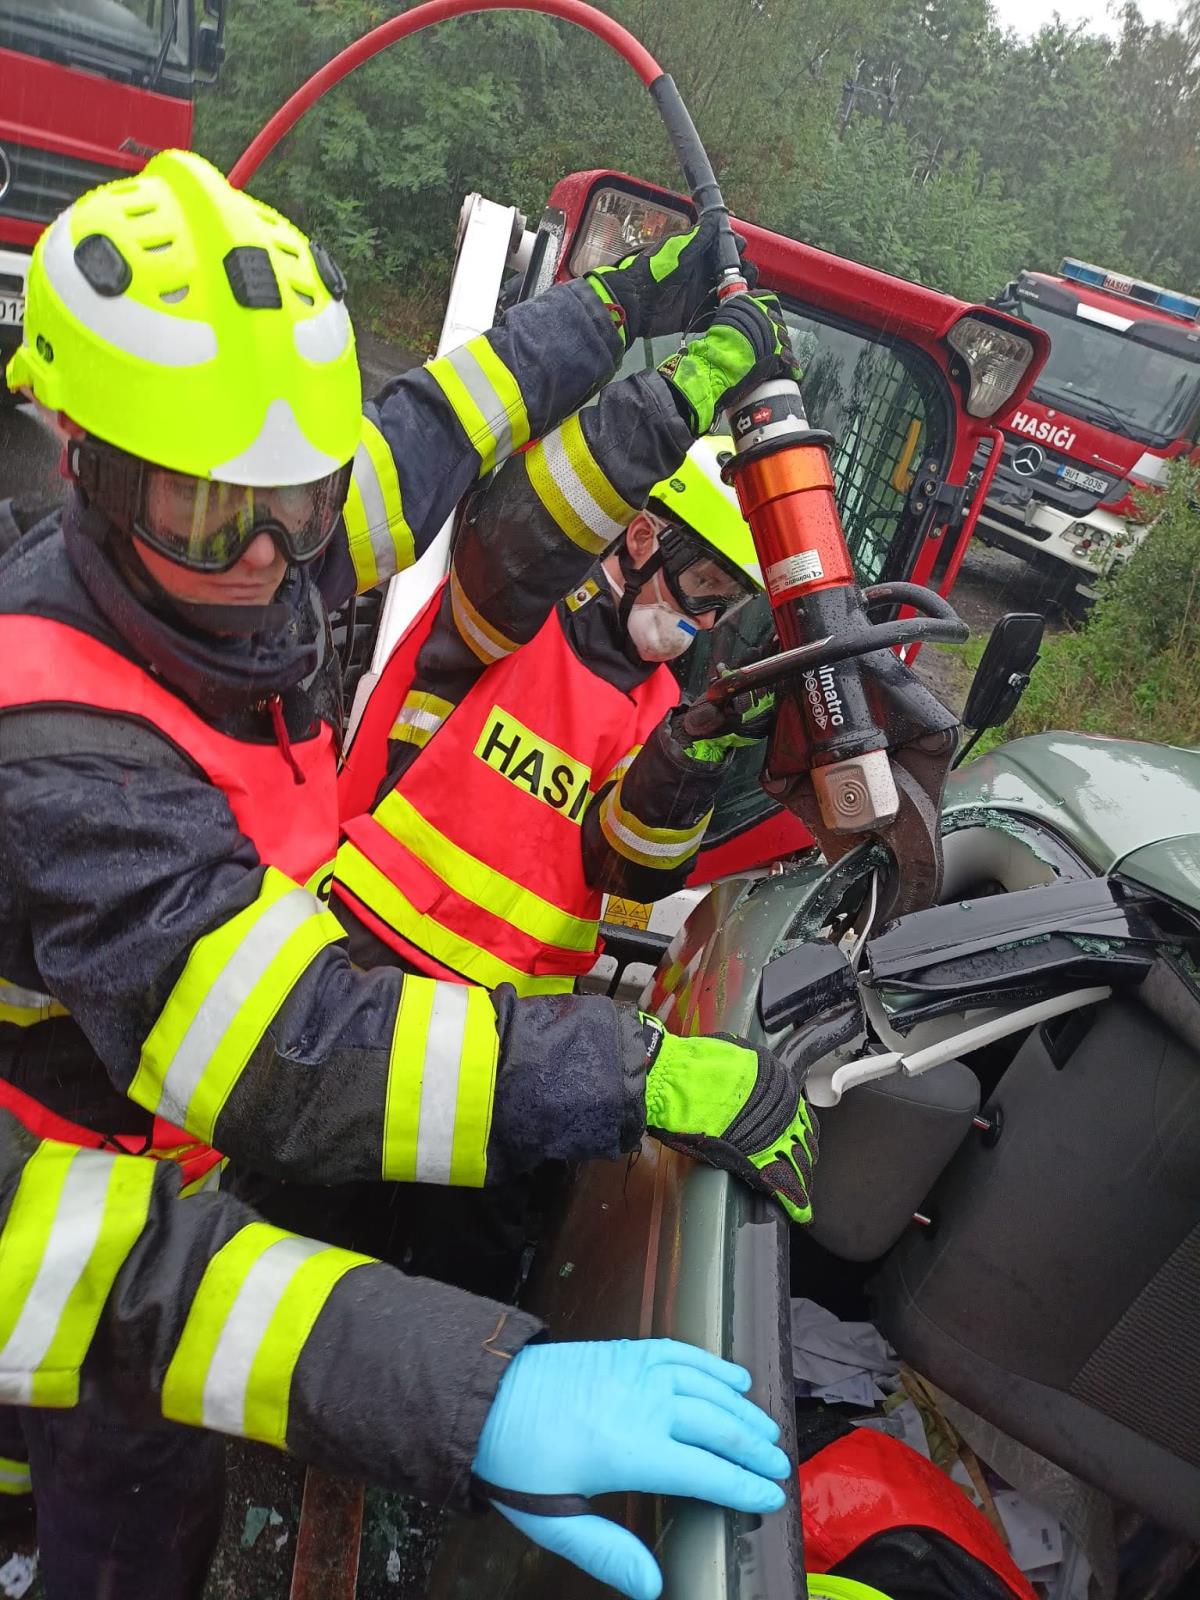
(486, 642)
(14, 1476)
(235, 980)
(623, 766)
(661, 848)
(441, 1084)
(380, 539)
(22, 1008)
(486, 399)
(421, 716)
(74, 1219)
(482, 885)
(256, 1305)
(566, 478)
(380, 895)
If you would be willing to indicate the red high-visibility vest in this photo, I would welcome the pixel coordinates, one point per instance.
(289, 816)
(472, 865)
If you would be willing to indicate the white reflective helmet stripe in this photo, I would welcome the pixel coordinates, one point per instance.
(158, 337)
(280, 454)
(246, 1329)
(75, 1217)
(235, 980)
(486, 399)
(323, 338)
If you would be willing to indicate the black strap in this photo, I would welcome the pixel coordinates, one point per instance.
(537, 1505)
(56, 732)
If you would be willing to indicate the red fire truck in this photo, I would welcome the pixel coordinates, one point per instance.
(1117, 400)
(89, 89)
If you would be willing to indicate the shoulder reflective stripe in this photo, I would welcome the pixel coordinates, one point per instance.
(568, 481)
(24, 1007)
(377, 892)
(14, 1476)
(381, 541)
(649, 847)
(486, 399)
(484, 640)
(75, 1217)
(441, 1082)
(253, 1312)
(235, 980)
(482, 885)
(420, 717)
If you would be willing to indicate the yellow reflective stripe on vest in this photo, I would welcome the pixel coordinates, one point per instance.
(481, 637)
(420, 717)
(22, 1008)
(441, 1083)
(381, 541)
(235, 980)
(14, 1476)
(566, 478)
(486, 399)
(482, 885)
(630, 837)
(251, 1317)
(75, 1217)
(364, 880)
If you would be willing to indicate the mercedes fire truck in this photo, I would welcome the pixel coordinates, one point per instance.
(89, 89)
(1118, 399)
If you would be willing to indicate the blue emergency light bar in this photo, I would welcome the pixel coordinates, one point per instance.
(1148, 294)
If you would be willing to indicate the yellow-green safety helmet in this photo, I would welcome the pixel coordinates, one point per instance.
(188, 324)
(696, 496)
(823, 1587)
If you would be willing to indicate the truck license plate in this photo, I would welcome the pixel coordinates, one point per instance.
(12, 310)
(1082, 480)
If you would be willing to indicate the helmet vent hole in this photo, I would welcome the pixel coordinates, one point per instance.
(174, 296)
(139, 211)
(288, 250)
(158, 246)
(303, 294)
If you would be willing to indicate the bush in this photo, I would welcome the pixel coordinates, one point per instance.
(1134, 670)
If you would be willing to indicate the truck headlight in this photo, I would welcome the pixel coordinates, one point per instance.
(617, 223)
(996, 361)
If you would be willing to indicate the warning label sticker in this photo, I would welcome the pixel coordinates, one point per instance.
(801, 568)
(626, 913)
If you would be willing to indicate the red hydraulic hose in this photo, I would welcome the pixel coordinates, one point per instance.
(424, 16)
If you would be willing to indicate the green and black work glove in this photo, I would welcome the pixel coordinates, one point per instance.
(722, 1101)
(746, 343)
(708, 732)
(669, 288)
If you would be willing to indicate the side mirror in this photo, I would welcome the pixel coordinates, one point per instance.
(210, 41)
(1004, 670)
(1006, 300)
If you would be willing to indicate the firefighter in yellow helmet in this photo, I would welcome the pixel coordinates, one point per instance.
(565, 764)
(171, 983)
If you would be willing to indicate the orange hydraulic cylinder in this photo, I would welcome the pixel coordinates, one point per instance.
(787, 498)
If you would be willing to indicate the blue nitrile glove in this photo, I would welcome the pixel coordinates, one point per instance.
(572, 1420)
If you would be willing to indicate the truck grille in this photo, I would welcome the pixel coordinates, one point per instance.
(43, 182)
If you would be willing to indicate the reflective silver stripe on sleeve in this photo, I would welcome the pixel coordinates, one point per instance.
(69, 1246)
(221, 1004)
(576, 493)
(439, 1082)
(483, 391)
(228, 1378)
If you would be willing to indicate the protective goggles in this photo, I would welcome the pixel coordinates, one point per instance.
(198, 523)
(698, 579)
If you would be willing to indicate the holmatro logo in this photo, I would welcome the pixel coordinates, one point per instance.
(535, 765)
(826, 703)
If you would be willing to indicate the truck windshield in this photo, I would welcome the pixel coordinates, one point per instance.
(94, 32)
(1108, 378)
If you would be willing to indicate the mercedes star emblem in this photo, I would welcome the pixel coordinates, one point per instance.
(5, 173)
(1028, 460)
